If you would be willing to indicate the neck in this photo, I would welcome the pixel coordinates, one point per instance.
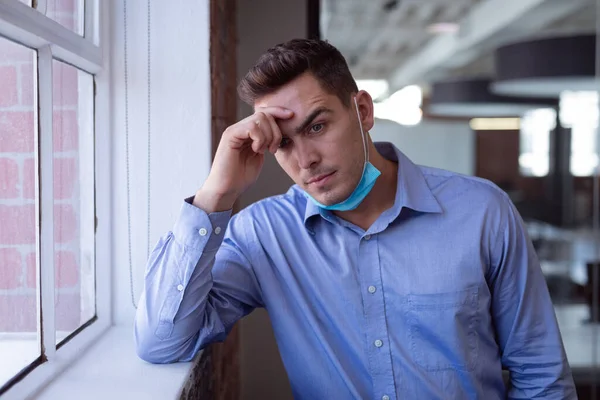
(381, 197)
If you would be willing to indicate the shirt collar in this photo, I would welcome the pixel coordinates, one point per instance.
(412, 190)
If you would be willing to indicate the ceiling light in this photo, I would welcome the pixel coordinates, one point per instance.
(469, 98)
(495, 124)
(546, 67)
(443, 28)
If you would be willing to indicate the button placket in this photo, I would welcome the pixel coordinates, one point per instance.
(374, 309)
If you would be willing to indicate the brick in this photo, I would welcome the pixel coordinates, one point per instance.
(9, 178)
(27, 84)
(18, 313)
(65, 130)
(66, 269)
(29, 178)
(12, 52)
(16, 131)
(65, 177)
(17, 224)
(12, 270)
(65, 85)
(68, 311)
(65, 223)
(8, 83)
(30, 267)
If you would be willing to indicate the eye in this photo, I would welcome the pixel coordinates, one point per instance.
(316, 128)
(284, 142)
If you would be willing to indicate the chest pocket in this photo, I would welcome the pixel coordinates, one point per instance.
(443, 329)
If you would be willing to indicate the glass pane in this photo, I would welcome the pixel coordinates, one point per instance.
(19, 334)
(68, 13)
(73, 191)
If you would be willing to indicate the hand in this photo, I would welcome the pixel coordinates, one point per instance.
(240, 157)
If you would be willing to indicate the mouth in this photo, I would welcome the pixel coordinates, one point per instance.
(320, 179)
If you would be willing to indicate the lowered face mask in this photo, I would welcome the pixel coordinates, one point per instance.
(365, 185)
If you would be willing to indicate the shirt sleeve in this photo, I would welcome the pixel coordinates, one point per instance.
(527, 330)
(198, 283)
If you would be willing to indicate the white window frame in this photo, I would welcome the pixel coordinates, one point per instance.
(31, 28)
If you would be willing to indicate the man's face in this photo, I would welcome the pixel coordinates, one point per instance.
(322, 148)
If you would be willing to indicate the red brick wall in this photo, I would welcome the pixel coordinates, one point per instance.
(17, 186)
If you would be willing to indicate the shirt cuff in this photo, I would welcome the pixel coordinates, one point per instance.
(196, 229)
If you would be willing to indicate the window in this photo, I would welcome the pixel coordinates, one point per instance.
(50, 288)
(536, 125)
(579, 111)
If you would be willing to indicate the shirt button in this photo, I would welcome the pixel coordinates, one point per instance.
(368, 237)
(378, 343)
(372, 289)
(202, 232)
(218, 230)
(180, 287)
(385, 397)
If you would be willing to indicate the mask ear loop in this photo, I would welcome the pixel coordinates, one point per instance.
(362, 133)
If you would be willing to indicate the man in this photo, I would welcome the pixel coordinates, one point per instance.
(383, 280)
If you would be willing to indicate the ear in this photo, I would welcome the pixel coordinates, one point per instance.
(365, 109)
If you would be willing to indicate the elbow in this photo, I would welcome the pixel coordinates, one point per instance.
(148, 348)
(154, 350)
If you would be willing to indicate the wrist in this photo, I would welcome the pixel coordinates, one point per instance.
(213, 201)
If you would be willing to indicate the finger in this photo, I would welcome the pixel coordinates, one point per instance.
(276, 132)
(263, 124)
(277, 112)
(259, 139)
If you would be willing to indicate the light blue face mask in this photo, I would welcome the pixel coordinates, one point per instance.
(367, 181)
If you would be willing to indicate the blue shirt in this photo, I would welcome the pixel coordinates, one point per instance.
(431, 302)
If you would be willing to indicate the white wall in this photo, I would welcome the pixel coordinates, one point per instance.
(180, 116)
(446, 145)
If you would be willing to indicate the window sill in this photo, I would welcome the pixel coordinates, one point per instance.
(112, 369)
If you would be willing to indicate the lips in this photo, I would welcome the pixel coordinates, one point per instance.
(319, 178)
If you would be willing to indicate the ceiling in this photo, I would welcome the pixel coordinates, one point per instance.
(390, 39)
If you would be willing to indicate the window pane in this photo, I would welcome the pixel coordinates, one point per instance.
(68, 13)
(19, 335)
(73, 198)
(534, 157)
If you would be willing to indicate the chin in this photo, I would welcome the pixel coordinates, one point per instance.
(330, 197)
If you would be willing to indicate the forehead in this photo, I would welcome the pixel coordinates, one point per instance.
(301, 95)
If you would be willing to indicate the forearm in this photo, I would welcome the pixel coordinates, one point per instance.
(173, 308)
(527, 329)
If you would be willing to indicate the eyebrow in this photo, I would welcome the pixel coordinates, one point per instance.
(308, 120)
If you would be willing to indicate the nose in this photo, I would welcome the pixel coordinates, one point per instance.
(306, 154)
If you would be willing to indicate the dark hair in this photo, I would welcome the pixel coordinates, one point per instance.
(285, 62)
